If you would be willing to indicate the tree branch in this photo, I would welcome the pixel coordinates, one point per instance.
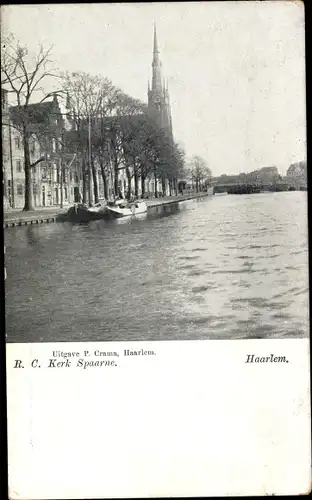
(42, 158)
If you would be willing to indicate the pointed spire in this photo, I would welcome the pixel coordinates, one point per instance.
(158, 94)
(155, 51)
(156, 81)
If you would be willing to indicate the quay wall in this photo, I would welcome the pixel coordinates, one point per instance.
(44, 216)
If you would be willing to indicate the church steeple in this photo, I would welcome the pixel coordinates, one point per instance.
(156, 64)
(158, 95)
(156, 51)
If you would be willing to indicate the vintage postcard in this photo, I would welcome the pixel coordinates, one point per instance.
(156, 249)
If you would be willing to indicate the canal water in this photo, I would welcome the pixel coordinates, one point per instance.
(225, 267)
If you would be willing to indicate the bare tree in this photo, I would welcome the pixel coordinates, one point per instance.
(123, 110)
(132, 122)
(22, 75)
(92, 100)
(108, 138)
(177, 167)
(167, 158)
(200, 172)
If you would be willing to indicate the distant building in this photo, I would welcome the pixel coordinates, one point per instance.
(297, 175)
(51, 178)
(6, 156)
(298, 170)
(12, 158)
(268, 175)
(47, 126)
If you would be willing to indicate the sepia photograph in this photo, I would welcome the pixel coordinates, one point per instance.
(154, 172)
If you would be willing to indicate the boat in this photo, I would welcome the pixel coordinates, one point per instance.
(83, 213)
(124, 209)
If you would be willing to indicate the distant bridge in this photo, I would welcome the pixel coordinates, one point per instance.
(257, 186)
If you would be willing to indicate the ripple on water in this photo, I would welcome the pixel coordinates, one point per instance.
(261, 303)
(198, 299)
(301, 292)
(187, 266)
(188, 257)
(196, 272)
(235, 271)
(285, 292)
(199, 250)
(199, 289)
(204, 320)
(281, 315)
(245, 284)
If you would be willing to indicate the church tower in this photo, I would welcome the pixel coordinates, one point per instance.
(158, 94)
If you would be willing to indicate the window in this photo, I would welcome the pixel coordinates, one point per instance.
(32, 147)
(44, 174)
(54, 173)
(18, 166)
(53, 145)
(70, 176)
(64, 175)
(19, 189)
(65, 193)
(17, 142)
(76, 177)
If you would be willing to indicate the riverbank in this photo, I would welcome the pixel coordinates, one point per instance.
(54, 214)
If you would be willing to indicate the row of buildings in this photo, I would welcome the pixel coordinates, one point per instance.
(296, 177)
(57, 177)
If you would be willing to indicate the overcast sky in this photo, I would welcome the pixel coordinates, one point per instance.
(236, 70)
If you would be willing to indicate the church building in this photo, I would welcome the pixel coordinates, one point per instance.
(158, 94)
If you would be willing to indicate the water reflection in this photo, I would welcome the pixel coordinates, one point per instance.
(201, 269)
